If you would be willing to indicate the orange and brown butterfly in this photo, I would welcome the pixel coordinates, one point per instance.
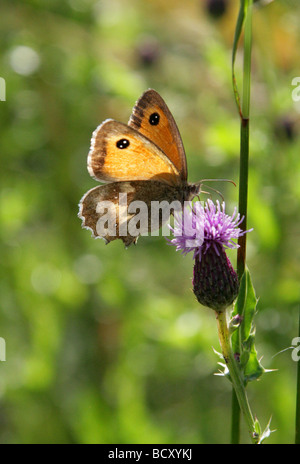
(144, 160)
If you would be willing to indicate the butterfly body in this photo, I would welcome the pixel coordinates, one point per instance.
(144, 167)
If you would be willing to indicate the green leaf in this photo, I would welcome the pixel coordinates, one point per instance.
(237, 35)
(239, 311)
(243, 339)
(245, 307)
(257, 426)
(253, 369)
(234, 323)
(244, 358)
(249, 309)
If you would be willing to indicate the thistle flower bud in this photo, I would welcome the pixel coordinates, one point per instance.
(215, 283)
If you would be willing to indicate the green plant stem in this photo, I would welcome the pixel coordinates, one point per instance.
(245, 15)
(244, 144)
(235, 375)
(235, 419)
(297, 425)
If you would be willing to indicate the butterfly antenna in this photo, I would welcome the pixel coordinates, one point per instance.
(217, 180)
(213, 189)
(205, 193)
(216, 191)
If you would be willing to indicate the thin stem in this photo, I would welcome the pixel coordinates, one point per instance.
(235, 373)
(243, 195)
(247, 61)
(244, 146)
(235, 419)
(245, 15)
(297, 431)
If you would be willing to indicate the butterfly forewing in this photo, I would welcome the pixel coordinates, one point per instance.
(152, 118)
(120, 153)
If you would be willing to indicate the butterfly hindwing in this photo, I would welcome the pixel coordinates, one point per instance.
(125, 210)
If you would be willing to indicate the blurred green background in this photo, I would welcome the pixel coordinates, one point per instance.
(107, 345)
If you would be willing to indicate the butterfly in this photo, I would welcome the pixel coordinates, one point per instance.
(144, 167)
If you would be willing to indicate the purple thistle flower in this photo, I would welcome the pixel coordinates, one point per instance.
(208, 231)
(188, 228)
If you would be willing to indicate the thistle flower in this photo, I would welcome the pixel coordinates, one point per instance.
(208, 231)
